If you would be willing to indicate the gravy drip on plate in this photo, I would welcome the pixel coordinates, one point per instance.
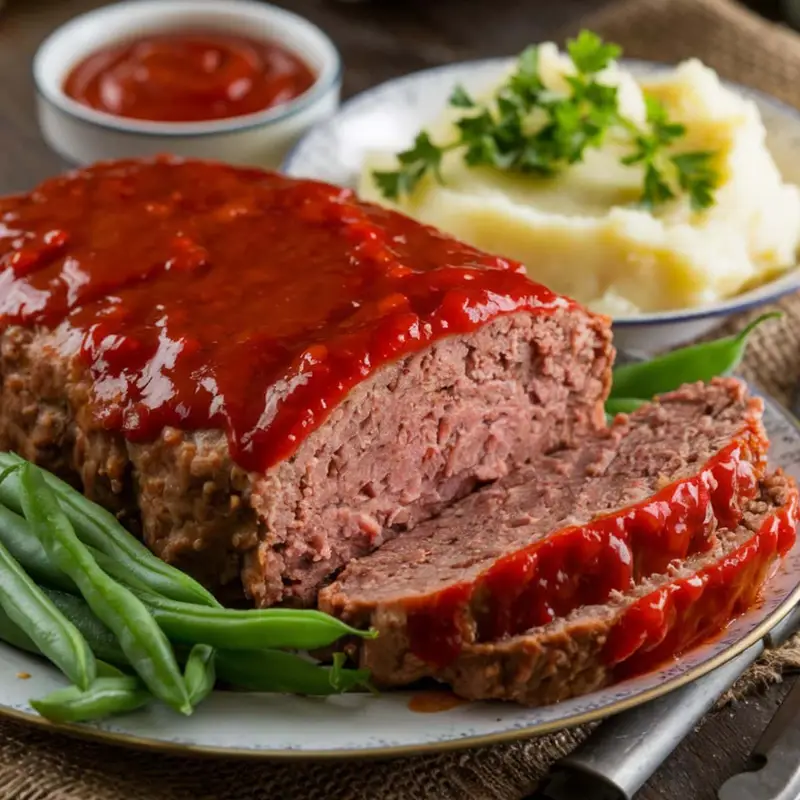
(188, 77)
(201, 295)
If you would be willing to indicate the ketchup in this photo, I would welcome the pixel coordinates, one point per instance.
(682, 614)
(188, 77)
(204, 296)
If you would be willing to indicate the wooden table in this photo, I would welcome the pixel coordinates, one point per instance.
(379, 40)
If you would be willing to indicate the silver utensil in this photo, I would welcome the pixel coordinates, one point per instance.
(774, 772)
(625, 751)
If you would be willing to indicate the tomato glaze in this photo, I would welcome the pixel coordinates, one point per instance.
(207, 296)
(188, 77)
(582, 565)
(678, 616)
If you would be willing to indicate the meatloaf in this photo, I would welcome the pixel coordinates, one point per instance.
(267, 376)
(565, 531)
(636, 631)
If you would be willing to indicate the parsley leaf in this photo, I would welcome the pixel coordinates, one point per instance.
(664, 131)
(507, 135)
(590, 54)
(697, 177)
(423, 157)
(692, 172)
(461, 99)
(391, 184)
(656, 189)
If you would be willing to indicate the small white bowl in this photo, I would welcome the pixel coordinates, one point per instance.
(388, 117)
(83, 135)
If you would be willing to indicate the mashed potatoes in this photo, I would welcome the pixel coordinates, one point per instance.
(582, 231)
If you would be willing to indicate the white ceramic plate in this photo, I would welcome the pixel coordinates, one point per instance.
(278, 726)
(388, 117)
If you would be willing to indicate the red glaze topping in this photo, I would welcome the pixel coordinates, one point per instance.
(188, 77)
(206, 296)
(582, 565)
(680, 615)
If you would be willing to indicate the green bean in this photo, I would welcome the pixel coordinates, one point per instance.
(342, 679)
(29, 608)
(144, 644)
(252, 663)
(254, 670)
(623, 405)
(106, 696)
(52, 706)
(105, 670)
(251, 629)
(199, 674)
(102, 530)
(102, 641)
(277, 671)
(16, 535)
(698, 362)
(12, 634)
(118, 572)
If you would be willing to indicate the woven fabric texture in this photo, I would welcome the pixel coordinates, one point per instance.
(36, 765)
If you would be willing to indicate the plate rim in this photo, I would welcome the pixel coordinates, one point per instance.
(141, 743)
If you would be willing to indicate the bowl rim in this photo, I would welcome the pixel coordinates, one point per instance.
(328, 78)
(770, 292)
(780, 286)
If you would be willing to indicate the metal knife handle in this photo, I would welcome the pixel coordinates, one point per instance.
(774, 769)
(776, 759)
(626, 750)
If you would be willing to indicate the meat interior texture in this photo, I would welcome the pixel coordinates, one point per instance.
(587, 649)
(401, 446)
(438, 577)
(610, 469)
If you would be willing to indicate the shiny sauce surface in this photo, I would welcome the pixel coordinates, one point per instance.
(207, 296)
(582, 565)
(682, 614)
(188, 77)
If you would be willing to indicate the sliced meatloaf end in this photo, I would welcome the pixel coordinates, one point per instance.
(421, 434)
(404, 444)
(661, 618)
(566, 530)
(44, 417)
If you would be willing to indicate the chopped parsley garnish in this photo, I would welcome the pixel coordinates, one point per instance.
(501, 134)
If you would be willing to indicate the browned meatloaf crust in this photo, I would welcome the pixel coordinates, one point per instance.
(403, 445)
(594, 646)
(603, 516)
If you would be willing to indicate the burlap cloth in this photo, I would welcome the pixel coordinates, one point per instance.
(41, 766)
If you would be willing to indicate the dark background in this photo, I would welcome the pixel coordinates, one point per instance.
(381, 39)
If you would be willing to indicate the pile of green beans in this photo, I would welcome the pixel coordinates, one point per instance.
(128, 629)
(637, 383)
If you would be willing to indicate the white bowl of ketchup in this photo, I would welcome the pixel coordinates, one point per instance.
(231, 80)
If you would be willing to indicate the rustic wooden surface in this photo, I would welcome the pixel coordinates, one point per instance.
(381, 39)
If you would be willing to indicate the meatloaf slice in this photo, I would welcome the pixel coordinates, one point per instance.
(566, 530)
(157, 314)
(634, 632)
